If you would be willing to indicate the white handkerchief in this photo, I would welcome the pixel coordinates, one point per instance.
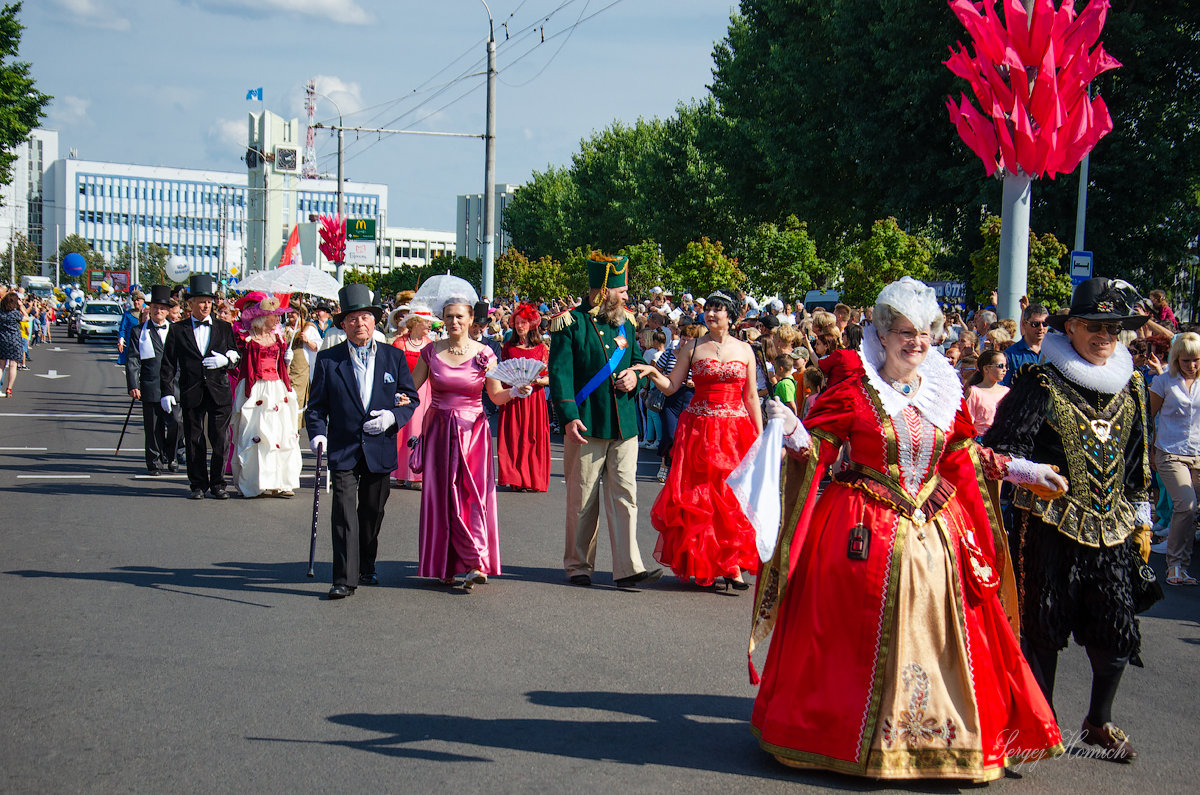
(755, 483)
(387, 378)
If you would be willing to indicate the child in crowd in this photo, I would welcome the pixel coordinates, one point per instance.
(785, 384)
(814, 380)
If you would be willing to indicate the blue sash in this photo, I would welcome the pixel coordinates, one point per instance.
(607, 370)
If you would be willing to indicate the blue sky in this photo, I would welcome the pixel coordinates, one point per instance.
(163, 82)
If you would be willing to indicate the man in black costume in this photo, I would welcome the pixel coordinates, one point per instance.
(1079, 555)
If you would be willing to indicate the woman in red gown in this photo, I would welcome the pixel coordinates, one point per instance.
(524, 431)
(702, 532)
(412, 341)
(890, 595)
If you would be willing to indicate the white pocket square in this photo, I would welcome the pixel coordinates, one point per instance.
(387, 378)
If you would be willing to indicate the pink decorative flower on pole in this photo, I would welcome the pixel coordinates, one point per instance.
(1030, 76)
(333, 238)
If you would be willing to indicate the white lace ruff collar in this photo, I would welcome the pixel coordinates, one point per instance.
(1107, 379)
(939, 396)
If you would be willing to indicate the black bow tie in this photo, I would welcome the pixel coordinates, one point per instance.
(205, 322)
(163, 327)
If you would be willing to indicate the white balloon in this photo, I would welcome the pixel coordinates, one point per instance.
(177, 268)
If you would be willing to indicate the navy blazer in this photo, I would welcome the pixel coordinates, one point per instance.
(335, 410)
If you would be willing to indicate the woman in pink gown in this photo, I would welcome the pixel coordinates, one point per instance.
(414, 340)
(459, 533)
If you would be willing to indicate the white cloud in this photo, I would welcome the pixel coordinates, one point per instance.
(347, 95)
(227, 135)
(92, 13)
(348, 12)
(68, 111)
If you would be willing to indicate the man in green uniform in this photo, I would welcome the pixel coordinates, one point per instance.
(591, 351)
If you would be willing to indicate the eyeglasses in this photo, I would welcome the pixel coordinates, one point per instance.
(1037, 323)
(911, 335)
(1095, 327)
(998, 366)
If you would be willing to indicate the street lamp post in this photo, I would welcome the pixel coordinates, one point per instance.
(489, 176)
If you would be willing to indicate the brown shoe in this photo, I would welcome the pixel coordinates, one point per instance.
(1109, 737)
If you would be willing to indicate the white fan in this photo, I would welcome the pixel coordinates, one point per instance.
(517, 372)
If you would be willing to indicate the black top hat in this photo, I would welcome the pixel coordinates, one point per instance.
(1104, 299)
(201, 285)
(161, 294)
(354, 298)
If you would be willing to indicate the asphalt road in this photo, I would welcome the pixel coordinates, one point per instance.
(152, 643)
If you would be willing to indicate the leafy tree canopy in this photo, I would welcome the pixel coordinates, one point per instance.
(1049, 283)
(884, 256)
(22, 106)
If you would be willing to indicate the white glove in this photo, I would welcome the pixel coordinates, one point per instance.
(520, 392)
(777, 411)
(1142, 511)
(167, 403)
(1031, 473)
(233, 356)
(215, 361)
(381, 420)
(317, 442)
(291, 353)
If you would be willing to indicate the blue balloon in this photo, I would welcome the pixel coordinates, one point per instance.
(74, 264)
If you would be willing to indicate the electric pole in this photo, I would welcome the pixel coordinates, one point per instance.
(489, 176)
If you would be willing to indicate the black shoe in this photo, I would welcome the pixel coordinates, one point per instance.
(581, 579)
(172, 467)
(641, 578)
(340, 592)
(368, 579)
(218, 493)
(154, 472)
(196, 494)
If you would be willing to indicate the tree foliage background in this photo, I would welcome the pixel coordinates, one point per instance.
(22, 106)
(833, 114)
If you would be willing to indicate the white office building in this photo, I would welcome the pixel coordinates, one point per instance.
(21, 199)
(469, 224)
(401, 248)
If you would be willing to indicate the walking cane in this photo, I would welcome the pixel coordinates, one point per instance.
(312, 544)
(128, 414)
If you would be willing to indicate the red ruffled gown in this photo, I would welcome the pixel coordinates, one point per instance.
(702, 532)
(891, 598)
(523, 435)
(413, 426)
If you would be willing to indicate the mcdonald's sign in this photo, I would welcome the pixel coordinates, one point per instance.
(360, 228)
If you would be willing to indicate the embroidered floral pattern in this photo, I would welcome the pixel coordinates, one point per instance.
(711, 408)
(720, 371)
(915, 442)
(913, 727)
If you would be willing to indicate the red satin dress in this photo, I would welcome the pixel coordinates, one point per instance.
(893, 657)
(523, 435)
(702, 532)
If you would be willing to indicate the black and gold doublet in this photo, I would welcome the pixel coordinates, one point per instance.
(1075, 556)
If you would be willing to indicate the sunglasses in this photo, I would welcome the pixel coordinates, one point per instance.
(1095, 327)
(1037, 323)
(999, 366)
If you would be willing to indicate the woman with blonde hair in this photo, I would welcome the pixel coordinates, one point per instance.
(1175, 411)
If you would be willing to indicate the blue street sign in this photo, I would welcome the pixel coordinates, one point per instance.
(1081, 267)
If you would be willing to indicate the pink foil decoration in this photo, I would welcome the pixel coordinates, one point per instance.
(1043, 126)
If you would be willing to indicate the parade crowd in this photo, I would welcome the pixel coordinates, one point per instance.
(960, 495)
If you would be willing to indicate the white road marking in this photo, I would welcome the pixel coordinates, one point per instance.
(65, 416)
(159, 477)
(51, 374)
(23, 448)
(114, 449)
(53, 477)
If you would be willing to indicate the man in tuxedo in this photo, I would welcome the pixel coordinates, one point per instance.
(199, 351)
(354, 412)
(143, 367)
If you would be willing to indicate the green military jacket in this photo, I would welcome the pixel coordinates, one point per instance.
(579, 348)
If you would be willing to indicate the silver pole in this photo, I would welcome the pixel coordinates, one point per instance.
(1081, 207)
(341, 196)
(489, 179)
(1014, 246)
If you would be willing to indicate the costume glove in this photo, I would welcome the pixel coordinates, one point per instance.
(381, 420)
(317, 442)
(1042, 479)
(233, 356)
(215, 361)
(520, 392)
(167, 403)
(1141, 510)
(795, 435)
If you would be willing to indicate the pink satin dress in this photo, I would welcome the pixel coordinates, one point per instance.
(459, 530)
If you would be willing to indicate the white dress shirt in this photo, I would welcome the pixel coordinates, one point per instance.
(363, 362)
(203, 331)
(1178, 421)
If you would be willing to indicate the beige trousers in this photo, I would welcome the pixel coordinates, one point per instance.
(1180, 475)
(584, 466)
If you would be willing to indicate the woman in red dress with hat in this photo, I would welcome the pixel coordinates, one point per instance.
(412, 340)
(524, 432)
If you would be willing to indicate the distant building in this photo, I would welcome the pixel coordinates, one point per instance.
(401, 248)
(469, 225)
(21, 199)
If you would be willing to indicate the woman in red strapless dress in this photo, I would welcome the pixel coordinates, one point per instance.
(414, 339)
(523, 436)
(703, 533)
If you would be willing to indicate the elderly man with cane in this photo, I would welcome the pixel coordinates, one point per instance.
(355, 409)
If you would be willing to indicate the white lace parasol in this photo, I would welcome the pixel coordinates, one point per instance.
(437, 291)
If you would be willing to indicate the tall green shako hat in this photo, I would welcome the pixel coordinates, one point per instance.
(605, 273)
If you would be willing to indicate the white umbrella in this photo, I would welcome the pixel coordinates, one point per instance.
(436, 289)
(293, 279)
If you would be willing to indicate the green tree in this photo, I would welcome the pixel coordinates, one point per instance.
(22, 256)
(884, 256)
(782, 260)
(540, 217)
(543, 278)
(645, 267)
(152, 264)
(1049, 283)
(355, 276)
(703, 267)
(22, 106)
